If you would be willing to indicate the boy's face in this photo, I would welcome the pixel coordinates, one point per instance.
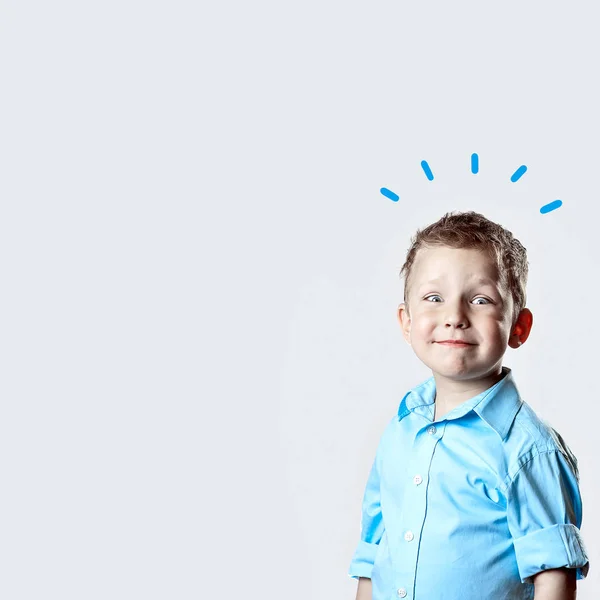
(455, 294)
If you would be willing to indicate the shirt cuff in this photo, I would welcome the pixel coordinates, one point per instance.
(363, 560)
(551, 548)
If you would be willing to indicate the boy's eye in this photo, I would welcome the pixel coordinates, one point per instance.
(485, 300)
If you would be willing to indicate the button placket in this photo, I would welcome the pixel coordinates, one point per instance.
(415, 504)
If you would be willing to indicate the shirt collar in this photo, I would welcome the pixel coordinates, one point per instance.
(497, 406)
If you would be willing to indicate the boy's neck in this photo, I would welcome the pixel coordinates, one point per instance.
(450, 393)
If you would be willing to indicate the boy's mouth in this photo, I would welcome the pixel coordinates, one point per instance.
(454, 343)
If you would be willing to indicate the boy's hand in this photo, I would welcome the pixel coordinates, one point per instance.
(365, 590)
(555, 584)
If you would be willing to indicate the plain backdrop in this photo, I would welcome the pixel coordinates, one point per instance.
(199, 275)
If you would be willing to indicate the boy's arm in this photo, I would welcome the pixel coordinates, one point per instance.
(544, 513)
(555, 584)
(372, 527)
(365, 591)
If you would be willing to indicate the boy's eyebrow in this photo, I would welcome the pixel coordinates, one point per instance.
(486, 280)
(480, 281)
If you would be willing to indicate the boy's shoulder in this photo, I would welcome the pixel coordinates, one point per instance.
(531, 436)
(530, 428)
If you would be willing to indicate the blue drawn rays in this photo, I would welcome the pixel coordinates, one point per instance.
(475, 169)
(427, 170)
(389, 194)
(518, 173)
(550, 206)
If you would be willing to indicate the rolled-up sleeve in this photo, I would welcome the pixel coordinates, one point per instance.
(544, 516)
(372, 526)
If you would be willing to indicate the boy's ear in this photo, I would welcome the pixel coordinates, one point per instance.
(404, 320)
(522, 329)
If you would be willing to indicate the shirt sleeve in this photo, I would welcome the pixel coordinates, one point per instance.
(372, 527)
(544, 516)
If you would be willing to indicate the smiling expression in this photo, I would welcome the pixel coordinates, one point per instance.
(455, 295)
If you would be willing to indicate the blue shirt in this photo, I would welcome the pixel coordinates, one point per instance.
(471, 506)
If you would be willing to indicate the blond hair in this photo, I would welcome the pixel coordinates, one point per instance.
(473, 230)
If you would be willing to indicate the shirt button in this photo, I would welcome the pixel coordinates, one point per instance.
(402, 593)
(431, 430)
(409, 536)
(417, 479)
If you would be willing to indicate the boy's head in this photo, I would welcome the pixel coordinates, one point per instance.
(465, 279)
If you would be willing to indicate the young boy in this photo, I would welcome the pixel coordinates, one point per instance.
(471, 496)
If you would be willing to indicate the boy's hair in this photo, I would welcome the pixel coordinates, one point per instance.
(473, 230)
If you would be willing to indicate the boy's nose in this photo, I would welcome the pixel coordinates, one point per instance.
(461, 324)
(456, 317)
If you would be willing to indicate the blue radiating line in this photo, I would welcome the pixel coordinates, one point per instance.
(427, 170)
(518, 173)
(389, 194)
(474, 164)
(550, 206)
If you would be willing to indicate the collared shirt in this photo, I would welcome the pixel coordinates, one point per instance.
(471, 506)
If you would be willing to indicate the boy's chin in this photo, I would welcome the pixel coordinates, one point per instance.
(462, 373)
(456, 375)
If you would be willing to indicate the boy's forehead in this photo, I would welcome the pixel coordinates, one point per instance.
(439, 262)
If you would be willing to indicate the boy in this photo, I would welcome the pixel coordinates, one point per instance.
(471, 496)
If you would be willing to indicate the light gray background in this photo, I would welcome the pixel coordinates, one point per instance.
(200, 277)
